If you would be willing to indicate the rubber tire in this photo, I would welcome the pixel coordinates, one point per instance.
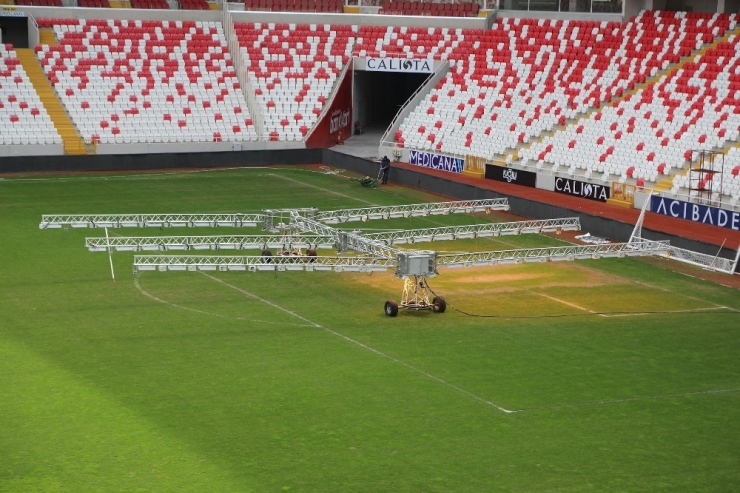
(267, 256)
(439, 305)
(391, 308)
(311, 254)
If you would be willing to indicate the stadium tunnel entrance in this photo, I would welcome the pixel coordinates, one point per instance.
(378, 96)
(14, 29)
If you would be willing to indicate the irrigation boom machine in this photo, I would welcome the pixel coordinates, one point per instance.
(291, 230)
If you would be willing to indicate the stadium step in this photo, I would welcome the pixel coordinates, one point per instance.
(47, 37)
(119, 5)
(213, 5)
(73, 143)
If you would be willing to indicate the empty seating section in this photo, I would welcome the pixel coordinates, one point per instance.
(335, 6)
(40, 3)
(146, 81)
(626, 102)
(651, 134)
(446, 9)
(93, 3)
(292, 69)
(150, 4)
(525, 76)
(407, 42)
(726, 182)
(23, 119)
(194, 5)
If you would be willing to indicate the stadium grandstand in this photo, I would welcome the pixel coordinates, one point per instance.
(622, 96)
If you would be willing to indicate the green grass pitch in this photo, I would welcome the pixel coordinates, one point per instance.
(590, 376)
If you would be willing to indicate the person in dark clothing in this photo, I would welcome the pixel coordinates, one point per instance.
(385, 167)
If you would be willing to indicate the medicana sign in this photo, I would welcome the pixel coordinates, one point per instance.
(696, 212)
(435, 161)
(399, 65)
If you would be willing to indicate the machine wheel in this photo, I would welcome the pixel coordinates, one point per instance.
(391, 308)
(439, 304)
(267, 256)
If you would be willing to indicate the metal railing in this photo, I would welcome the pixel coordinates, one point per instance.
(410, 103)
(55, 221)
(472, 231)
(260, 263)
(412, 210)
(222, 242)
(247, 90)
(550, 254)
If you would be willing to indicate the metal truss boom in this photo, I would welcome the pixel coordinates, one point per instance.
(257, 263)
(226, 242)
(412, 210)
(570, 252)
(475, 231)
(149, 220)
(346, 240)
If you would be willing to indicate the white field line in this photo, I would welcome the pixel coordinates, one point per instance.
(628, 399)
(631, 314)
(364, 346)
(661, 288)
(165, 302)
(566, 303)
(134, 176)
(327, 190)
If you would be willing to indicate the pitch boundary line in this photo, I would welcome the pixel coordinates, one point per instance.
(175, 305)
(566, 303)
(661, 288)
(632, 314)
(334, 192)
(364, 346)
(628, 399)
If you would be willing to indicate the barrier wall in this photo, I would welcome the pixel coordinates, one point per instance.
(534, 209)
(139, 162)
(276, 17)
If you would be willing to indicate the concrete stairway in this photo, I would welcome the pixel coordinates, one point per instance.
(73, 143)
(47, 37)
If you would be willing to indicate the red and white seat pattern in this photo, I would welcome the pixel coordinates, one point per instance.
(724, 182)
(23, 118)
(293, 69)
(446, 9)
(526, 76)
(407, 42)
(652, 133)
(147, 81)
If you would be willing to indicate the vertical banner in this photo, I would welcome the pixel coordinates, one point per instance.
(474, 166)
(623, 192)
(336, 124)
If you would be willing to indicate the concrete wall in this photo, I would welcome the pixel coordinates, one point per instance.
(633, 7)
(524, 14)
(596, 225)
(123, 14)
(138, 162)
(265, 17)
(10, 151)
(195, 147)
(361, 19)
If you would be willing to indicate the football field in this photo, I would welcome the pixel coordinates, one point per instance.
(586, 376)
